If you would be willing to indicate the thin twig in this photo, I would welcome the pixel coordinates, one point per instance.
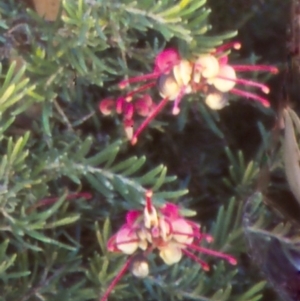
(63, 115)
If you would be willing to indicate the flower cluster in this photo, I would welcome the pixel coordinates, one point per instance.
(163, 229)
(143, 107)
(174, 77)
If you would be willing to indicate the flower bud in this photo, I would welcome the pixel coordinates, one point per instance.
(208, 66)
(226, 79)
(168, 86)
(139, 266)
(216, 101)
(106, 106)
(183, 73)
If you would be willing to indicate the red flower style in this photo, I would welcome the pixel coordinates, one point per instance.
(164, 229)
(209, 73)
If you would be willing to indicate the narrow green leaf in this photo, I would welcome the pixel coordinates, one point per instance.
(249, 172)
(41, 237)
(42, 216)
(192, 8)
(210, 121)
(120, 185)
(112, 157)
(134, 167)
(18, 147)
(100, 238)
(103, 272)
(84, 149)
(104, 155)
(167, 195)
(149, 177)
(3, 248)
(8, 77)
(46, 114)
(4, 265)
(124, 164)
(96, 184)
(17, 275)
(64, 221)
(106, 230)
(257, 288)
(161, 179)
(8, 93)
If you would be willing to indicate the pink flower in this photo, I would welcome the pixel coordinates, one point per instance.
(210, 74)
(106, 106)
(143, 106)
(163, 229)
(164, 63)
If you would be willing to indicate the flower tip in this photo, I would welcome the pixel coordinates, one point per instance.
(274, 70)
(209, 239)
(237, 45)
(266, 104)
(149, 193)
(128, 98)
(106, 106)
(110, 248)
(266, 90)
(175, 111)
(123, 84)
(133, 141)
(206, 268)
(232, 261)
(85, 195)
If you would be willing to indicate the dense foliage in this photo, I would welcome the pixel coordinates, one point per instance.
(68, 174)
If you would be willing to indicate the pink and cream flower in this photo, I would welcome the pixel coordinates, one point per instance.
(163, 229)
(174, 77)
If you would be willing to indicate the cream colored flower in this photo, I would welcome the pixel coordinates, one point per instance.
(225, 80)
(171, 253)
(207, 65)
(216, 100)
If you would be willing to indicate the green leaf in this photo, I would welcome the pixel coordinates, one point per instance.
(84, 149)
(254, 290)
(4, 265)
(134, 167)
(98, 185)
(41, 237)
(161, 179)
(150, 176)
(63, 221)
(104, 155)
